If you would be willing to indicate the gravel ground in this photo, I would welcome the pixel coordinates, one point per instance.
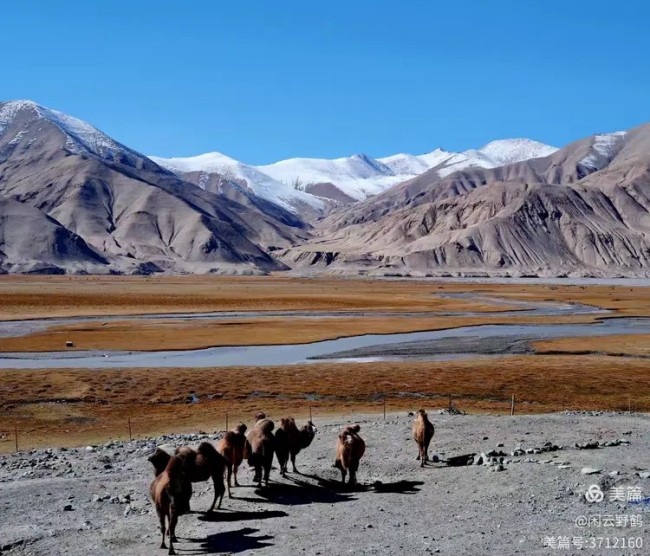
(399, 508)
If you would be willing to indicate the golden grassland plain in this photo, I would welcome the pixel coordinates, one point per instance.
(72, 407)
(623, 345)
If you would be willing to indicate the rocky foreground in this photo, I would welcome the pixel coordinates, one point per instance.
(524, 489)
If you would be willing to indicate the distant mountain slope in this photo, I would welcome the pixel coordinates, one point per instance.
(31, 241)
(201, 168)
(133, 213)
(582, 210)
(310, 184)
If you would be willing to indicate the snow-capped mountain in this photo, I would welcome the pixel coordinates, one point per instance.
(299, 182)
(73, 199)
(603, 149)
(357, 176)
(81, 137)
(494, 154)
(261, 184)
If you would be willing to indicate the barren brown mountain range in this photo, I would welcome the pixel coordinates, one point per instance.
(73, 200)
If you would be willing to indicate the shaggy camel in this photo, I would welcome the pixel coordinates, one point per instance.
(171, 491)
(258, 449)
(289, 440)
(422, 434)
(231, 447)
(350, 448)
(200, 465)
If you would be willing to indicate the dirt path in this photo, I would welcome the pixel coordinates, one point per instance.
(399, 509)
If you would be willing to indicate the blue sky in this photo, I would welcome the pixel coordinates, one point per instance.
(261, 81)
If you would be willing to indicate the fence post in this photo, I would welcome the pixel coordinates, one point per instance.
(512, 405)
(130, 435)
(16, 437)
(227, 421)
(449, 405)
(310, 413)
(384, 409)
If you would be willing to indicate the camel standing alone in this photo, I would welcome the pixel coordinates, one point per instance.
(350, 448)
(422, 434)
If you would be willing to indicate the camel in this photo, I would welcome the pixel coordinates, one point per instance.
(259, 448)
(200, 465)
(422, 434)
(171, 491)
(350, 448)
(231, 447)
(289, 440)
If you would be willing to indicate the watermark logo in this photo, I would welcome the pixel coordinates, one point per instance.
(594, 494)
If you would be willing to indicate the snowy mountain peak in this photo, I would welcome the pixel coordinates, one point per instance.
(212, 162)
(496, 153)
(509, 151)
(11, 109)
(283, 194)
(80, 135)
(603, 149)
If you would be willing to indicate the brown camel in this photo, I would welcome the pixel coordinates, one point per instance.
(171, 491)
(422, 434)
(200, 465)
(289, 440)
(350, 448)
(258, 449)
(231, 447)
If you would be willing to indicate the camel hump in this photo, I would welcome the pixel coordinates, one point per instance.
(207, 449)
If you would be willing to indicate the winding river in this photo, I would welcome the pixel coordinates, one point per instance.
(468, 341)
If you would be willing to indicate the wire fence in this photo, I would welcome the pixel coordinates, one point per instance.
(24, 436)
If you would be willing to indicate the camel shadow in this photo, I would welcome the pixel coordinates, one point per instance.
(228, 516)
(296, 493)
(399, 487)
(231, 542)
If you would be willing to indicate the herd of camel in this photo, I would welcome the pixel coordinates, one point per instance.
(171, 489)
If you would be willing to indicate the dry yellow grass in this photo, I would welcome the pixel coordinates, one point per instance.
(49, 296)
(629, 344)
(72, 407)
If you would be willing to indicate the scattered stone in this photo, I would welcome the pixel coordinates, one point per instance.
(590, 471)
(67, 508)
(588, 445)
(614, 473)
(644, 474)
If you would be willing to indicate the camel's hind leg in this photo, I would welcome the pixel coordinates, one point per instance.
(234, 471)
(173, 519)
(163, 527)
(219, 489)
(229, 479)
